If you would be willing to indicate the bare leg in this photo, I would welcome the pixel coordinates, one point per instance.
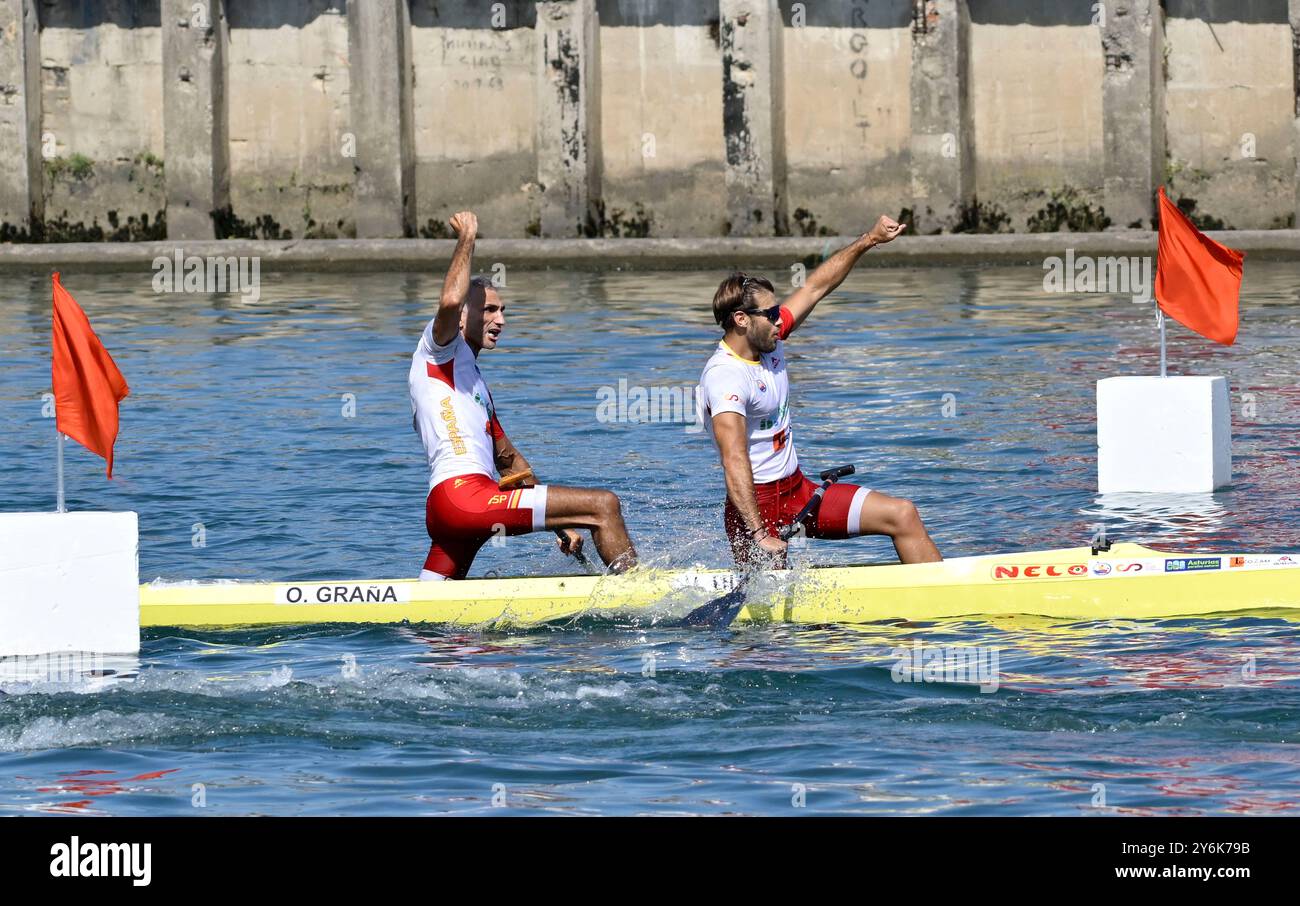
(898, 518)
(598, 511)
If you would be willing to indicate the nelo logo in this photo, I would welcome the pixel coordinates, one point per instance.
(1036, 571)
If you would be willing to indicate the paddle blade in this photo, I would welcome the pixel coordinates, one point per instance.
(718, 613)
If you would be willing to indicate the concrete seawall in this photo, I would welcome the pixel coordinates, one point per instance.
(413, 255)
(288, 119)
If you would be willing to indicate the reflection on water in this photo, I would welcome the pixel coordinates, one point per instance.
(69, 671)
(1164, 519)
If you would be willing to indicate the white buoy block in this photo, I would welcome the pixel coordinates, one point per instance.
(69, 582)
(1163, 434)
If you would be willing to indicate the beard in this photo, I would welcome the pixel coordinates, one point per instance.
(760, 337)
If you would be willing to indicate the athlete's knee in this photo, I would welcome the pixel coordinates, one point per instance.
(904, 517)
(608, 507)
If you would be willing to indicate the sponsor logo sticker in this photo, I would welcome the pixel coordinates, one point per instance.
(1263, 561)
(342, 593)
(1101, 568)
(1040, 571)
(1192, 564)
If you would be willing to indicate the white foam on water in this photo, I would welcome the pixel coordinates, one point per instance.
(194, 683)
(505, 688)
(500, 688)
(153, 680)
(102, 728)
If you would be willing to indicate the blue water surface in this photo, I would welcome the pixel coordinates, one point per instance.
(272, 439)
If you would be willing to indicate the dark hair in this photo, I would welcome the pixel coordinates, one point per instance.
(737, 292)
(478, 285)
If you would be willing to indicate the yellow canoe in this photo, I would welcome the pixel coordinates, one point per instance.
(1127, 582)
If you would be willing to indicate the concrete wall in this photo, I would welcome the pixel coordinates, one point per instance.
(475, 109)
(1037, 105)
(1229, 101)
(288, 108)
(661, 118)
(101, 100)
(1048, 99)
(847, 116)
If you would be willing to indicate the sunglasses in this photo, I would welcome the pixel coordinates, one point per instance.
(773, 314)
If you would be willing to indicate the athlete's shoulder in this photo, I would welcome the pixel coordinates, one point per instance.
(429, 348)
(725, 383)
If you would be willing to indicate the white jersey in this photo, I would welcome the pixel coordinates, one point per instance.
(760, 391)
(454, 415)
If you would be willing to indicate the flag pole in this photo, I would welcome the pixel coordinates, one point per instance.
(61, 507)
(1160, 322)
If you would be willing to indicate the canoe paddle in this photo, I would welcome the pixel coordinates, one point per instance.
(718, 613)
(510, 482)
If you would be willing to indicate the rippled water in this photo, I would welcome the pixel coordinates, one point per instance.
(238, 455)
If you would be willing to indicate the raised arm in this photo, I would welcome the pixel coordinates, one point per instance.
(831, 272)
(456, 286)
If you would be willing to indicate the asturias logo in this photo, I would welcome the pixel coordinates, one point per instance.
(1190, 564)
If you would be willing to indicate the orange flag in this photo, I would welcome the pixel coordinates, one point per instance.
(87, 385)
(1198, 281)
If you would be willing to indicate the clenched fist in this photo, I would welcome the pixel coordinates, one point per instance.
(885, 230)
(465, 224)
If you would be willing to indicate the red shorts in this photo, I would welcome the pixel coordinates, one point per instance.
(463, 513)
(838, 516)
